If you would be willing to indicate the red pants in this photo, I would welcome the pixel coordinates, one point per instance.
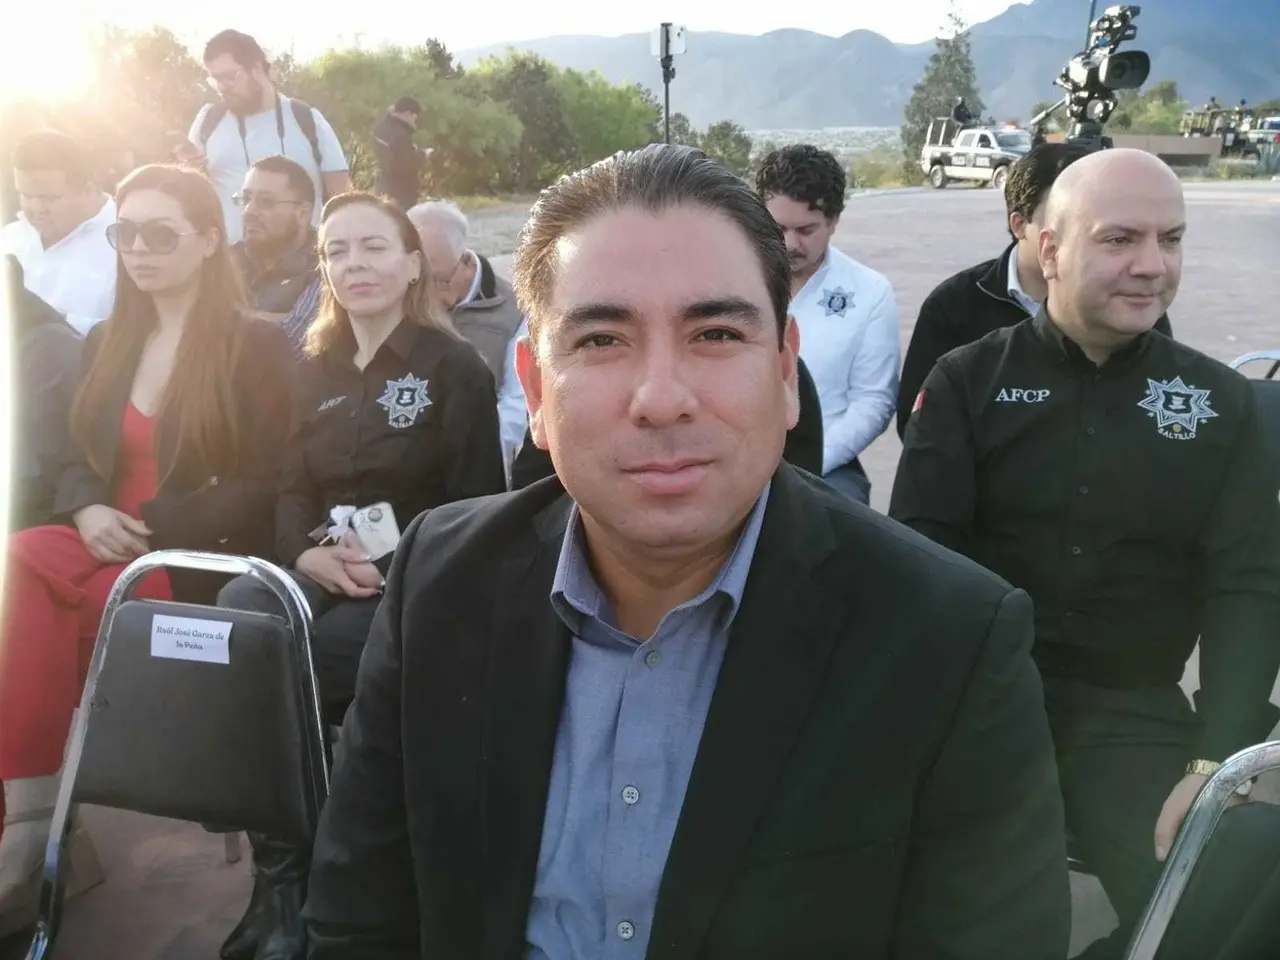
(54, 596)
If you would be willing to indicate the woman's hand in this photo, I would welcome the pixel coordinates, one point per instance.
(111, 536)
(327, 566)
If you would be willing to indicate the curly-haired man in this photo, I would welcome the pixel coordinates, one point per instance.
(847, 313)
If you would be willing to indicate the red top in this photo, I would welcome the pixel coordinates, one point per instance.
(137, 471)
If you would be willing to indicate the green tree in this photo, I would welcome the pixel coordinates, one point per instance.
(1156, 110)
(604, 118)
(441, 59)
(949, 74)
(682, 131)
(728, 143)
(526, 83)
(1055, 121)
(475, 138)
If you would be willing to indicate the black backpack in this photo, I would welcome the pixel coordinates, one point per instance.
(301, 112)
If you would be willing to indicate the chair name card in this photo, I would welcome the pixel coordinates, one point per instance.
(187, 638)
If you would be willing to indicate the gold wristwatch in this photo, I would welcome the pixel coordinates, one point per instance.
(1207, 768)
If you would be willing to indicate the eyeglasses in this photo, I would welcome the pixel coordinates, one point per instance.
(264, 202)
(156, 237)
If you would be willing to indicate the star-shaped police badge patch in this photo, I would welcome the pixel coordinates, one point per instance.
(1176, 407)
(405, 399)
(836, 301)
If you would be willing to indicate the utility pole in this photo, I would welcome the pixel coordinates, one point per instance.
(665, 43)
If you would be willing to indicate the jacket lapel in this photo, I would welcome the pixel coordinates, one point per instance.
(780, 643)
(525, 692)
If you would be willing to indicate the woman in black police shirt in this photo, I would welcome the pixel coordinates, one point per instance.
(396, 408)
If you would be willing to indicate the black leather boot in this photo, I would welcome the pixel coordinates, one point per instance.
(242, 943)
(282, 871)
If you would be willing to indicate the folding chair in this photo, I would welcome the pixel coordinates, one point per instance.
(194, 713)
(1201, 820)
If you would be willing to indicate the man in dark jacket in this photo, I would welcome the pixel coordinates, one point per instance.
(400, 160)
(996, 293)
(46, 373)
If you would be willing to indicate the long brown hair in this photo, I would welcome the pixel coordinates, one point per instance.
(198, 400)
(422, 303)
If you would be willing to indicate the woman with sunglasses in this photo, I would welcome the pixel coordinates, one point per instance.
(183, 408)
(398, 415)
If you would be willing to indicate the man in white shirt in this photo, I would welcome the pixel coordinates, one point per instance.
(60, 236)
(253, 121)
(484, 309)
(846, 312)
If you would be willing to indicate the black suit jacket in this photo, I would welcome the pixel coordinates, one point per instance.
(230, 511)
(803, 447)
(875, 778)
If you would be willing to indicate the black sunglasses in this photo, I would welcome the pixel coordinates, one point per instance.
(156, 237)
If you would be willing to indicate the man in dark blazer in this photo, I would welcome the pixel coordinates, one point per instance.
(684, 700)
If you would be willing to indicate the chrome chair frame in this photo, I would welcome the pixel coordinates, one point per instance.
(1197, 828)
(298, 611)
(1272, 356)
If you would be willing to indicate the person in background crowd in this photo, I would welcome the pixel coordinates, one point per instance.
(483, 305)
(277, 256)
(254, 120)
(847, 313)
(46, 369)
(60, 238)
(398, 414)
(637, 710)
(996, 293)
(1123, 480)
(171, 450)
(400, 161)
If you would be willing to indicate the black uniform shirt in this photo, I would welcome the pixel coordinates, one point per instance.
(417, 427)
(1136, 503)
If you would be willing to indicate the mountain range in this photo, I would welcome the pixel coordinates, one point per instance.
(796, 79)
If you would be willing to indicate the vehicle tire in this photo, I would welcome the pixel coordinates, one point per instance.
(1000, 178)
(937, 176)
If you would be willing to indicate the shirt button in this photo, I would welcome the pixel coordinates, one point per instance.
(626, 930)
(630, 796)
(652, 658)
(1084, 491)
(1075, 551)
(1090, 431)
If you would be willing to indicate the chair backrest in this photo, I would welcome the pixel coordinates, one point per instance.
(1267, 393)
(198, 714)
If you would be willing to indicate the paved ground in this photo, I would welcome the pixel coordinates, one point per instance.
(169, 895)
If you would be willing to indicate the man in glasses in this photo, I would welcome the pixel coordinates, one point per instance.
(59, 238)
(253, 121)
(483, 304)
(277, 256)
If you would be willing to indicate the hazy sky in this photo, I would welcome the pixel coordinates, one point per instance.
(39, 35)
(467, 25)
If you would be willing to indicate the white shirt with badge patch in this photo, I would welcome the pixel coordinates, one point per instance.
(227, 156)
(848, 319)
(77, 275)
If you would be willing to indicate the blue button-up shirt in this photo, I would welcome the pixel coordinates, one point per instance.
(629, 730)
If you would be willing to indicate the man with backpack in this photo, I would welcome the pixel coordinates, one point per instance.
(254, 120)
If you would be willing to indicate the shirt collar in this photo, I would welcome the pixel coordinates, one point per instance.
(1020, 296)
(1062, 346)
(98, 223)
(575, 595)
(401, 341)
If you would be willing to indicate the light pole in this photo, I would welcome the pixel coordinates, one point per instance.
(1088, 30)
(666, 43)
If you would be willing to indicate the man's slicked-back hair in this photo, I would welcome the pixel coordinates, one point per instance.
(1032, 177)
(654, 178)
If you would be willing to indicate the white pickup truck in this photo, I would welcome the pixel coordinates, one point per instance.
(977, 154)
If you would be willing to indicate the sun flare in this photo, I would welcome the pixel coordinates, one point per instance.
(43, 64)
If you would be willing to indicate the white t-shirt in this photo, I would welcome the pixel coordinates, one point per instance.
(77, 275)
(848, 319)
(228, 156)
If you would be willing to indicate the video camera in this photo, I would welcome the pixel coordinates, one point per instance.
(1092, 77)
